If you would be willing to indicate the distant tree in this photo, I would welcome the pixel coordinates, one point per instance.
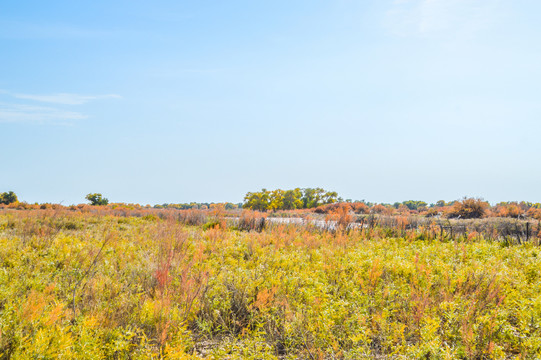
(292, 199)
(315, 197)
(230, 206)
(8, 198)
(414, 205)
(310, 198)
(276, 200)
(97, 199)
(330, 197)
(288, 199)
(257, 200)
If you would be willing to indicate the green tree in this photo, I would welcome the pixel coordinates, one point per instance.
(257, 200)
(292, 199)
(330, 197)
(315, 197)
(414, 205)
(310, 197)
(97, 199)
(8, 198)
(289, 199)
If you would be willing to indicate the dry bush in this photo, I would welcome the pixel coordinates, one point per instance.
(534, 213)
(251, 220)
(192, 217)
(341, 214)
(381, 209)
(508, 210)
(404, 210)
(357, 207)
(432, 212)
(329, 208)
(468, 208)
(360, 208)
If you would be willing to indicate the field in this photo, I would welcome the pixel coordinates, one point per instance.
(80, 284)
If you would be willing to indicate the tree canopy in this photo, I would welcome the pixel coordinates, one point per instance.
(279, 199)
(8, 198)
(97, 199)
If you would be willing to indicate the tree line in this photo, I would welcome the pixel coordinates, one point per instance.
(298, 198)
(197, 206)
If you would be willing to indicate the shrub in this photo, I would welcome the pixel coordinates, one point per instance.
(360, 208)
(534, 213)
(381, 209)
(432, 212)
(468, 208)
(192, 217)
(508, 210)
(251, 220)
(341, 216)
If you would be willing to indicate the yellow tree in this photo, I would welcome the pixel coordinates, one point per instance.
(276, 200)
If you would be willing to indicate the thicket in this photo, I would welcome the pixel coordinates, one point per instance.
(88, 284)
(278, 199)
(198, 206)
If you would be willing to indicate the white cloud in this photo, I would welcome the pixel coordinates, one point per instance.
(28, 113)
(18, 113)
(440, 17)
(65, 99)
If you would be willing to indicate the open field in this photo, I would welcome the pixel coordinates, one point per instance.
(84, 284)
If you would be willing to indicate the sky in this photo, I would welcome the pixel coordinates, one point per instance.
(180, 101)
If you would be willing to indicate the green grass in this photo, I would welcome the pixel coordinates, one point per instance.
(80, 286)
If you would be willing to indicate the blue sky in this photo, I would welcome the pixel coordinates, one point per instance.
(180, 101)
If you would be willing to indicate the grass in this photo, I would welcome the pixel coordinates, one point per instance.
(85, 285)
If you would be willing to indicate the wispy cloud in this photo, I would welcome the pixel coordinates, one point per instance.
(61, 114)
(17, 113)
(440, 17)
(65, 98)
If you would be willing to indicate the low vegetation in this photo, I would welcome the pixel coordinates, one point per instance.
(95, 282)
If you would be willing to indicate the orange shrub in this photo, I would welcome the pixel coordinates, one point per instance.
(360, 208)
(508, 210)
(534, 213)
(381, 209)
(468, 208)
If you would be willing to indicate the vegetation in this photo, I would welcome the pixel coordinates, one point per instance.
(468, 209)
(132, 283)
(278, 199)
(97, 199)
(199, 206)
(411, 205)
(8, 198)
